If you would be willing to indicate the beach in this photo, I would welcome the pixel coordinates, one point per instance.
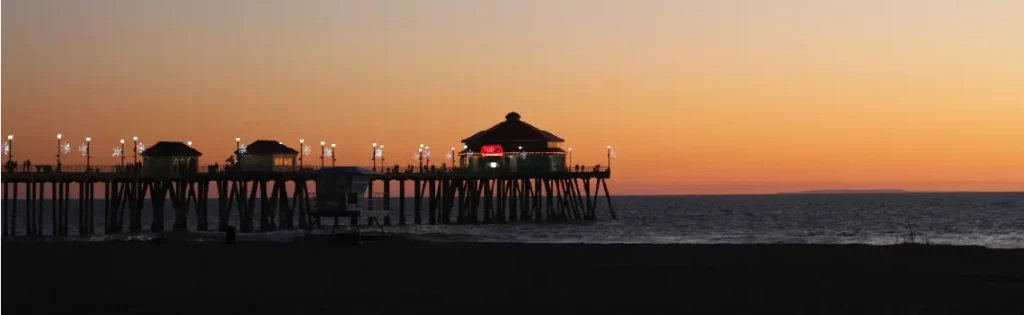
(394, 274)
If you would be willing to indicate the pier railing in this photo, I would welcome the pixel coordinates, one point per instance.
(218, 168)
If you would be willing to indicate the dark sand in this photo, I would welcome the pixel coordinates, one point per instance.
(394, 275)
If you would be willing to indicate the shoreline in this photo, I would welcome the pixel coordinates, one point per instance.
(388, 274)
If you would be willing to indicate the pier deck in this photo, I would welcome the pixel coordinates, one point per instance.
(282, 200)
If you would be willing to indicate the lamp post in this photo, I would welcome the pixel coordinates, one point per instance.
(322, 153)
(334, 155)
(609, 157)
(381, 157)
(453, 156)
(58, 148)
(301, 143)
(238, 149)
(135, 150)
(426, 152)
(374, 158)
(190, 143)
(420, 156)
(570, 156)
(88, 157)
(122, 153)
(10, 147)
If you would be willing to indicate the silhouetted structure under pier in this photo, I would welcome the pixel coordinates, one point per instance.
(459, 196)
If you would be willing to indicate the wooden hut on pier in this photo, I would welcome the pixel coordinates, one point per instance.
(170, 157)
(514, 146)
(266, 156)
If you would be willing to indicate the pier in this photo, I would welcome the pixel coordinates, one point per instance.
(451, 196)
(511, 172)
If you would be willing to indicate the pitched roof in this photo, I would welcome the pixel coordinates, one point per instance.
(262, 147)
(513, 129)
(170, 148)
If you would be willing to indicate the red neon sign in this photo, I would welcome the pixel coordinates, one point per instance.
(492, 150)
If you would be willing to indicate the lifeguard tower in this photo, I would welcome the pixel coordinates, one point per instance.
(339, 193)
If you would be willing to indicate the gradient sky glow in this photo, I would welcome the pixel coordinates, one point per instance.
(697, 96)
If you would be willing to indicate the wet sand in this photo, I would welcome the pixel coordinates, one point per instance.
(396, 275)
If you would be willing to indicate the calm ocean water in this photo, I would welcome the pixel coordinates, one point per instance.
(987, 219)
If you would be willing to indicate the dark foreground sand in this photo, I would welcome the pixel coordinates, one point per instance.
(402, 276)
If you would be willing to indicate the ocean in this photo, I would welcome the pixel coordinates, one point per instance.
(994, 220)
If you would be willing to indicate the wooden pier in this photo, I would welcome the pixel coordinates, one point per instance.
(453, 196)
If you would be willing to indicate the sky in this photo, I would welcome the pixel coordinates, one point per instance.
(696, 97)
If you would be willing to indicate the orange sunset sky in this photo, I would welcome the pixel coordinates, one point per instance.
(696, 96)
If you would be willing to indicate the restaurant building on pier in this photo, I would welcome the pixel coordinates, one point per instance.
(513, 146)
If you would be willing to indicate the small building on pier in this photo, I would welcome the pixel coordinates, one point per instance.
(170, 157)
(266, 156)
(514, 146)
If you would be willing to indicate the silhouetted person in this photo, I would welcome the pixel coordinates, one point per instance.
(28, 165)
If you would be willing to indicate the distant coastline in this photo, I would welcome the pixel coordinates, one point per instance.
(847, 191)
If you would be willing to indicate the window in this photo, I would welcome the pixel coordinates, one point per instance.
(283, 161)
(554, 145)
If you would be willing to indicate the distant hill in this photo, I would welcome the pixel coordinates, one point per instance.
(850, 191)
